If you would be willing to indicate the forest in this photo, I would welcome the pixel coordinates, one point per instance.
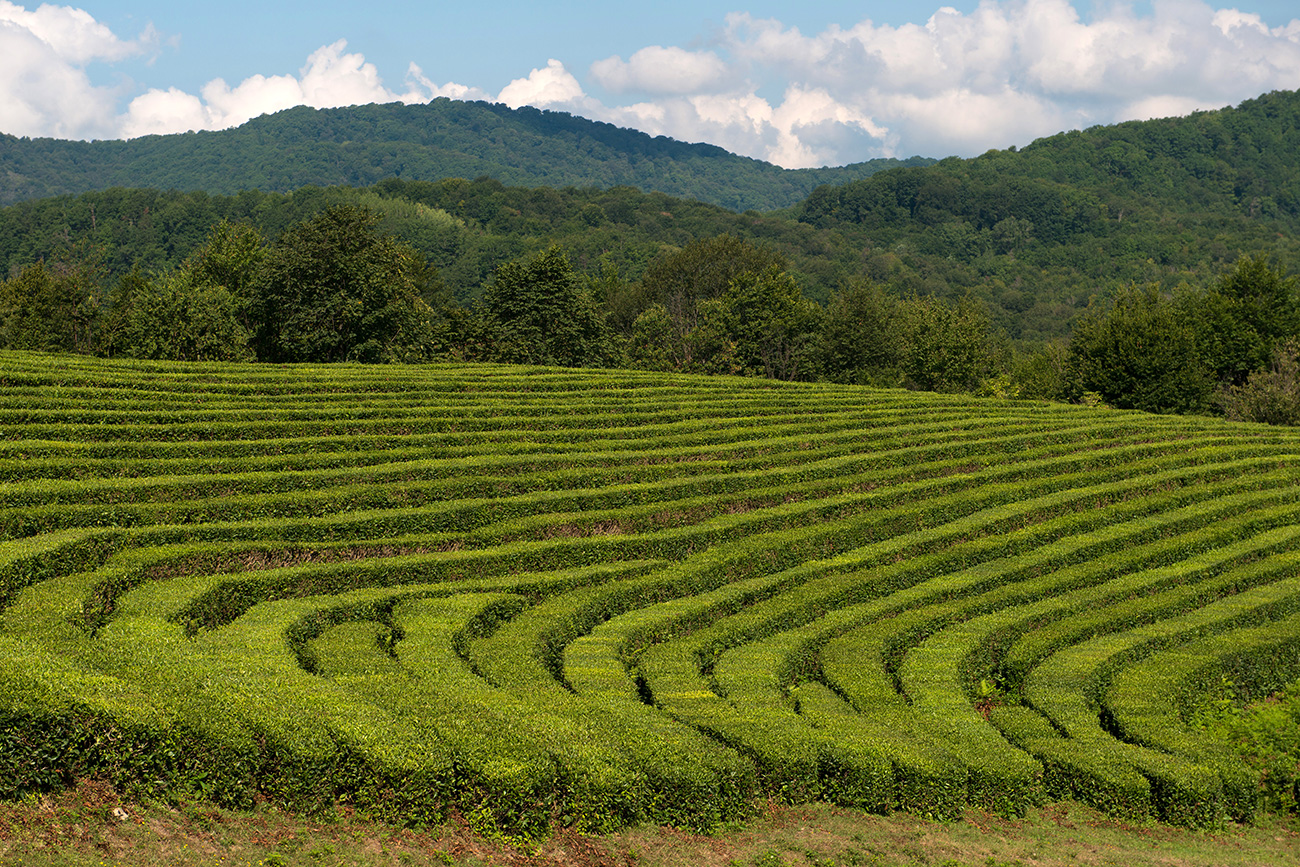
(1142, 265)
(361, 145)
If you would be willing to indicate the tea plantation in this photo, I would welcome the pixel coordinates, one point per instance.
(550, 597)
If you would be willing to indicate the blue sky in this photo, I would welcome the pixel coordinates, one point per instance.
(812, 83)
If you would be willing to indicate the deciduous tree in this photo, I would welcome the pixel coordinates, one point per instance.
(1138, 352)
(332, 288)
(538, 312)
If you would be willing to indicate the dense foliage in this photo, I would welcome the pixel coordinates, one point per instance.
(1264, 731)
(360, 145)
(1034, 232)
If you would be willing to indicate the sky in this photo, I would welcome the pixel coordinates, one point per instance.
(814, 83)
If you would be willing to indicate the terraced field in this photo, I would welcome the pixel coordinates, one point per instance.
(596, 598)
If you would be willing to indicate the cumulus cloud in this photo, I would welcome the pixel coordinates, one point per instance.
(331, 78)
(959, 83)
(73, 35)
(1013, 70)
(543, 88)
(44, 89)
(660, 70)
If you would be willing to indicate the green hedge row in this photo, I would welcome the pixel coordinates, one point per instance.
(592, 598)
(1067, 687)
(1148, 701)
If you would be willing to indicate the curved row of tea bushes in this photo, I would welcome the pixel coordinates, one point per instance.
(760, 668)
(595, 598)
(1149, 701)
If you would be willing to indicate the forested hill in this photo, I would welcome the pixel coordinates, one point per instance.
(361, 145)
(1034, 232)
(1234, 162)
(1029, 235)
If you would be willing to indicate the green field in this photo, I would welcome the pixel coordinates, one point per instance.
(544, 597)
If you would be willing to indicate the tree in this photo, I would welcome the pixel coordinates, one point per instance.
(55, 306)
(702, 270)
(1040, 373)
(772, 325)
(1271, 396)
(1244, 318)
(861, 341)
(651, 346)
(334, 289)
(946, 347)
(1138, 352)
(538, 312)
(231, 257)
(176, 318)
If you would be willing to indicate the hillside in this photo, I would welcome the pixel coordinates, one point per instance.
(1034, 232)
(543, 597)
(1031, 235)
(445, 138)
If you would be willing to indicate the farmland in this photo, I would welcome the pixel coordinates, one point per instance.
(596, 599)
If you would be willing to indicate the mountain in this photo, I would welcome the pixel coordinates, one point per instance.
(445, 138)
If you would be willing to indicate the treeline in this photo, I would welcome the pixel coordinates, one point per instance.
(465, 228)
(336, 287)
(1034, 232)
(361, 145)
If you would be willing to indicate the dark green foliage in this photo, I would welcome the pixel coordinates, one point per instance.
(1270, 396)
(1139, 352)
(230, 258)
(197, 312)
(704, 270)
(773, 326)
(176, 318)
(52, 307)
(861, 342)
(872, 338)
(724, 305)
(1263, 732)
(360, 145)
(994, 254)
(1040, 374)
(1244, 318)
(538, 312)
(1033, 232)
(333, 289)
(466, 229)
(946, 347)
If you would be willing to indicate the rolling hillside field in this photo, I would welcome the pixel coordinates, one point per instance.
(553, 598)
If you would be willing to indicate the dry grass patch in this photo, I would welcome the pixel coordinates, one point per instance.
(90, 825)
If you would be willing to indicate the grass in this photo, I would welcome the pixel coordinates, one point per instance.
(90, 827)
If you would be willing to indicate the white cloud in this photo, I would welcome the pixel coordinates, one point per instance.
(1005, 73)
(330, 78)
(656, 69)
(1012, 70)
(44, 89)
(415, 78)
(543, 88)
(74, 35)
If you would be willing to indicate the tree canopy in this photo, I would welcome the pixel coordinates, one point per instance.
(333, 289)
